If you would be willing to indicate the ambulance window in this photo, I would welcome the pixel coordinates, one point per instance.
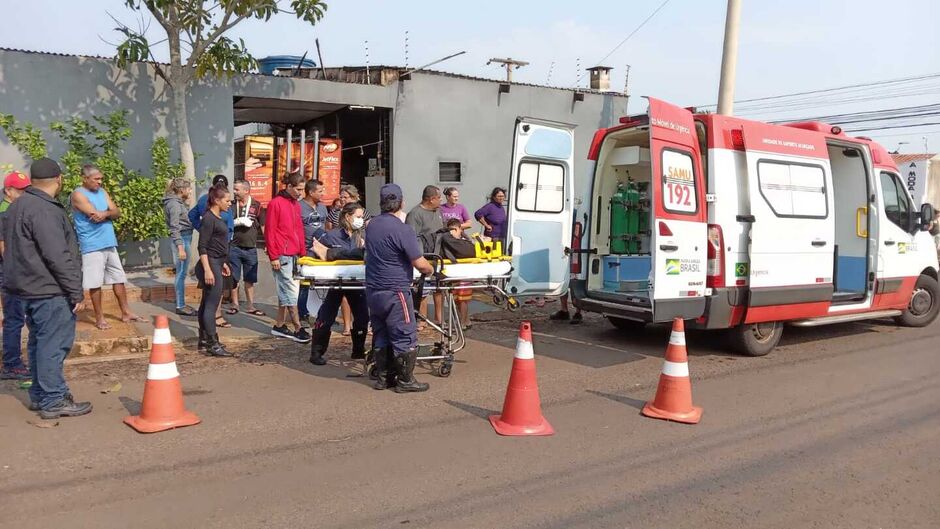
(679, 195)
(897, 206)
(541, 187)
(793, 190)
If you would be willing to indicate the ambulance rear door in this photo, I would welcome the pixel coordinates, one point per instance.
(539, 207)
(679, 230)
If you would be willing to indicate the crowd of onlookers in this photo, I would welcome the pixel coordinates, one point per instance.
(53, 253)
(297, 223)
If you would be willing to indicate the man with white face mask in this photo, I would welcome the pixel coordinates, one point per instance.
(345, 242)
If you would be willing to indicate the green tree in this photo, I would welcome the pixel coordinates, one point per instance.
(201, 27)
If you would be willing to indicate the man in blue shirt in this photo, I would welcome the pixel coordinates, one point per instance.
(196, 213)
(392, 251)
(314, 215)
(94, 212)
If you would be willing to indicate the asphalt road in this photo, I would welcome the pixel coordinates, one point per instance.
(836, 428)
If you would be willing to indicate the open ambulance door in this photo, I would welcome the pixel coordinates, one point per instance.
(679, 230)
(539, 210)
(792, 223)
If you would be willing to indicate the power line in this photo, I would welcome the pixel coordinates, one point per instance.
(835, 89)
(896, 127)
(622, 42)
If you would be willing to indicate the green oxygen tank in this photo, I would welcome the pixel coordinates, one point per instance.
(618, 221)
(643, 227)
(633, 217)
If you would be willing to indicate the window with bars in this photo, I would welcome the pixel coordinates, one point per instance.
(449, 172)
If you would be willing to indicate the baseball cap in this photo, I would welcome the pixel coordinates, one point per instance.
(44, 168)
(16, 180)
(390, 191)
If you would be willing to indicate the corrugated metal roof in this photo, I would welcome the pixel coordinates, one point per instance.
(904, 158)
(401, 69)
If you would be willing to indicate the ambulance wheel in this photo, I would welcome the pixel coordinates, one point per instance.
(924, 305)
(756, 339)
(623, 324)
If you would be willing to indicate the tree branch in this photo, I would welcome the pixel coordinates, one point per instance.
(204, 44)
(155, 11)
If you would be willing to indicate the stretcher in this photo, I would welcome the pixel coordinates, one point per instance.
(488, 273)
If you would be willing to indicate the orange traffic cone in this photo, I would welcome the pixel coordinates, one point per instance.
(673, 400)
(162, 407)
(522, 410)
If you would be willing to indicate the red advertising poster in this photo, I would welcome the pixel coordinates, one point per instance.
(295, 160)
(331, 162)
(259, 167)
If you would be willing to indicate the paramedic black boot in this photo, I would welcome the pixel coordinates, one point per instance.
(404, 367)
(319, 344)
(359, 344)
(384, 369)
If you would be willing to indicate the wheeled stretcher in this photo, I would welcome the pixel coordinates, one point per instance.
(486, 273)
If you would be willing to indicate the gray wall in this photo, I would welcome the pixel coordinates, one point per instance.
(440, 118)
(435, 117)
(45, 88)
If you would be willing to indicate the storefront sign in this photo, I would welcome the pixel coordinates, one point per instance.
(259, 167)
(330, 170)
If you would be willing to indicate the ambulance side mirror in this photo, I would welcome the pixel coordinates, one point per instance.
(927, 214)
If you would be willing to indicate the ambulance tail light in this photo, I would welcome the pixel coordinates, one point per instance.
(715, 275)
(576, 232)
(664, 230)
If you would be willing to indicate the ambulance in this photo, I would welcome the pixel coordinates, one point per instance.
(725, 222)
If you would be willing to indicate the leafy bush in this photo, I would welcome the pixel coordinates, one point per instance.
(101, 142)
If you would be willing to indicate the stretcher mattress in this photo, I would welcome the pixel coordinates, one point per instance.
(467, 269)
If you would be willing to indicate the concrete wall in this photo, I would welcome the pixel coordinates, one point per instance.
(44, 88)
(438, 118)
(435, 117)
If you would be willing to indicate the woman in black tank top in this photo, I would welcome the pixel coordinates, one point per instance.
(213, 267)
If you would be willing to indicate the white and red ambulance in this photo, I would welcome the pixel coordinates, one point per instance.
(744, 225)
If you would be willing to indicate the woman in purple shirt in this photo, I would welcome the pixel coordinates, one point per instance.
(453, 210)
(493, 217)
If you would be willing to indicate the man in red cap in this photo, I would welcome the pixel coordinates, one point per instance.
(13, 318)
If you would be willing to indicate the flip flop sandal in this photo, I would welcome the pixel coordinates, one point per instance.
(256, 312)
(231, 311)
(220, 322)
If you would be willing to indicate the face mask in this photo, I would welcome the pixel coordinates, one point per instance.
(358, 223)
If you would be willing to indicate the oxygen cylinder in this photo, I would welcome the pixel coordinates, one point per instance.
(618, 221)
(633, 217)
(643, 226)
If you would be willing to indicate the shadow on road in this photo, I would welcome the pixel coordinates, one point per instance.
(483, 413)
(622, 399)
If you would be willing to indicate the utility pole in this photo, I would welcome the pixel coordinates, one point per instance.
(729, 59)
(510, 65)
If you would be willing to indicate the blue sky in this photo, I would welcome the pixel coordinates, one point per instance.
(785, 47)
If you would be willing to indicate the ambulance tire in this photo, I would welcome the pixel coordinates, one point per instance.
(755, 339)
(624, 324)
(924, 305)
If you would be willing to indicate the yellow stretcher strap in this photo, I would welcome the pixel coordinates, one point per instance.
(311, 261)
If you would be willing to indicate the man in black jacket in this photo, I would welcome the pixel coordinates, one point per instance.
(43, 266)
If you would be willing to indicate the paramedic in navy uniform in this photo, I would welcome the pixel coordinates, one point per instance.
(392, 250)
(346, 242)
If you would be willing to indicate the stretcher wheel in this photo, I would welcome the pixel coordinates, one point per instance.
(374, 372)
(443, 370)
(512, 304)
